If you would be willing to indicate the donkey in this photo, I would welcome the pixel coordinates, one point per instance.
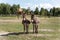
(35, 24)
(25, 23)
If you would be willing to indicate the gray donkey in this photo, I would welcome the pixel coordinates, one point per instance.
(35, 24)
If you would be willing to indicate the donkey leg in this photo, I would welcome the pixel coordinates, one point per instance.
(27, 28)
(33, 28)
(24, 28)
(36, 29)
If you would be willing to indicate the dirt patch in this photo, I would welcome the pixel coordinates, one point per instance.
(48, 30)
(42, 35)
(10, 20)
(3, 33)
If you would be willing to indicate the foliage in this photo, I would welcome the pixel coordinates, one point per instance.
(6, 9)
(36, 11)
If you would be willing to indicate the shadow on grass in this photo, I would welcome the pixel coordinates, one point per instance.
(16, 33)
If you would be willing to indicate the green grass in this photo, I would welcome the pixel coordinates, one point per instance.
(11, 27)
(52, 23)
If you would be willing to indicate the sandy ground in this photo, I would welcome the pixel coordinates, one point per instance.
(46, 30)
(10, 20)
(4, 33)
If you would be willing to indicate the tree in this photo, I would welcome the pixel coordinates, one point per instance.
(14, 8)
(5, 9)
(55, 11)
(36, 11)
(43, 12)
(8, 11)
(0, 9)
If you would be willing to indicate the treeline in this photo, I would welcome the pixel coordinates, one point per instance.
(44, 12)
(6, 9)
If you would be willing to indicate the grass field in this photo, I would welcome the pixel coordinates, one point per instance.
(49, 29)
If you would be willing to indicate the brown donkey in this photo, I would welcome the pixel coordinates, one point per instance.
(25, 23)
